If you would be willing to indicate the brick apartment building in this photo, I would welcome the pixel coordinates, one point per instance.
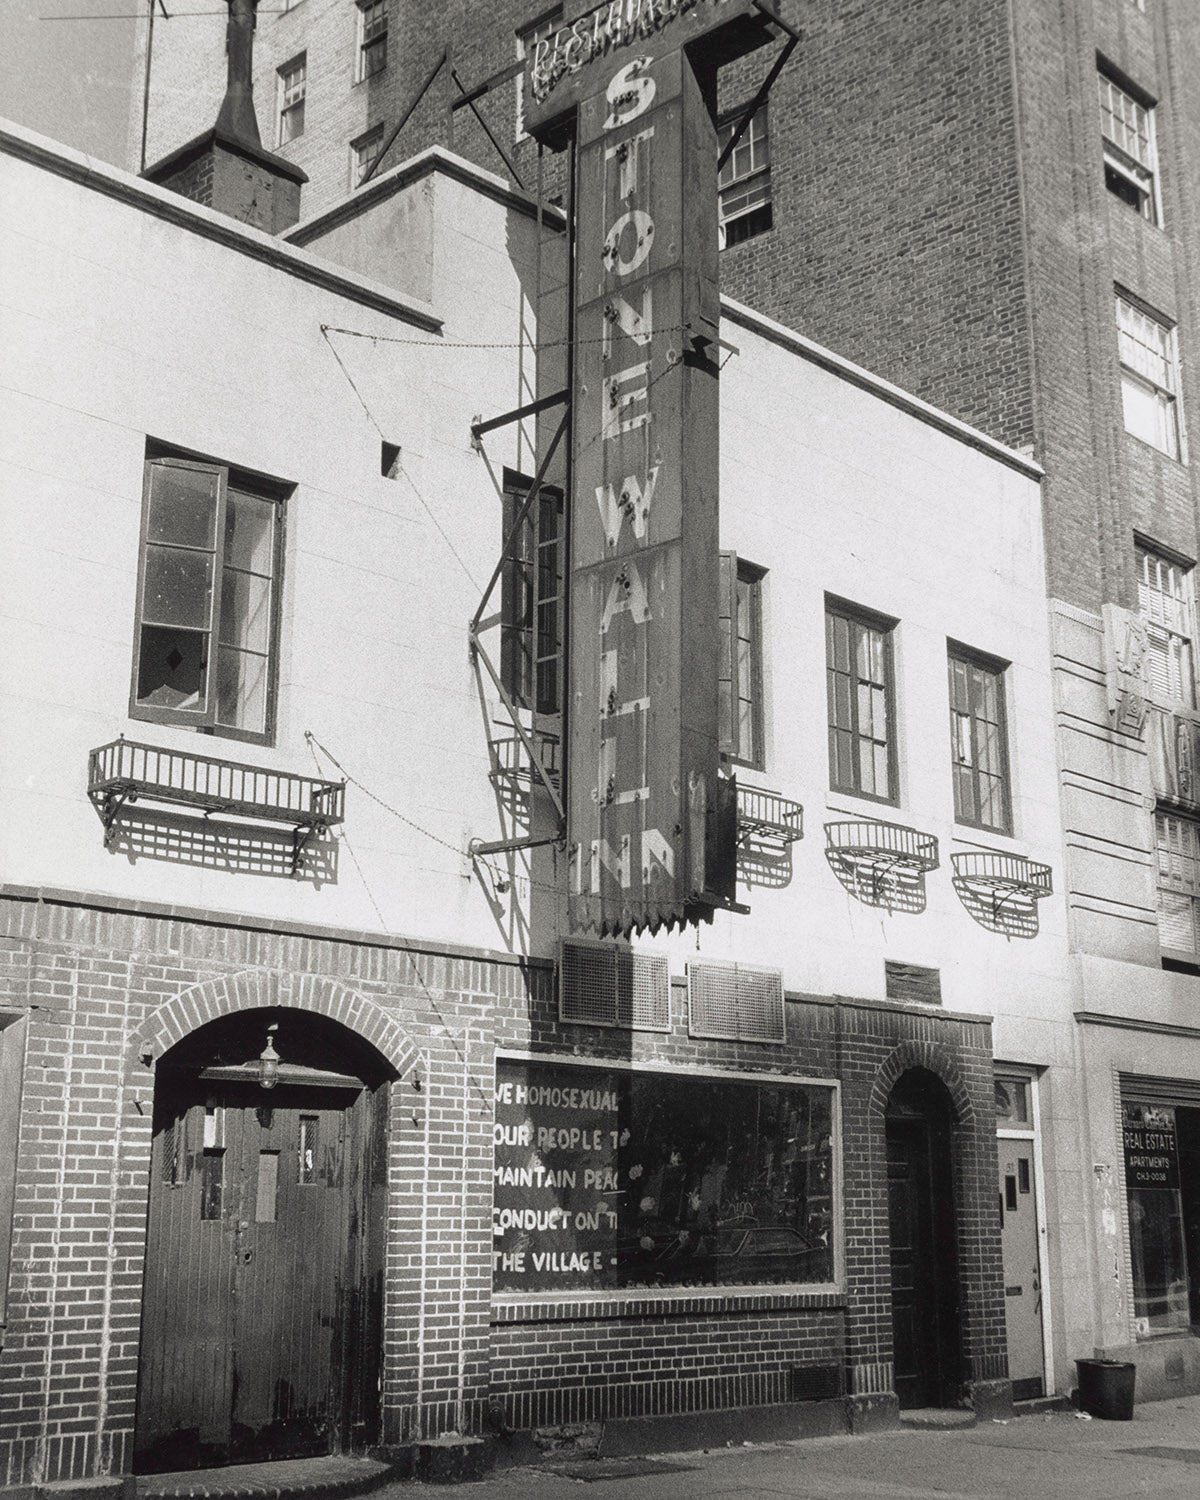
(996, 206)
(323, 1130)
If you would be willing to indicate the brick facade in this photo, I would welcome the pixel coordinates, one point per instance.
(940, 213)
(108, 990)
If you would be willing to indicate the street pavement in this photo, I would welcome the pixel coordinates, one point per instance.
(1055, 1456)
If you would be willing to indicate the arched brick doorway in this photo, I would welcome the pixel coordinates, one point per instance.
(926, 1333)
(262, 1308)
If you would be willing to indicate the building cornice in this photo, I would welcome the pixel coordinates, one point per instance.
(162, 203)
(844, 369)
(1136, 1023)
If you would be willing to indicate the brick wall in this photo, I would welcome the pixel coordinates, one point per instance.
(940, 214)
(107, 992)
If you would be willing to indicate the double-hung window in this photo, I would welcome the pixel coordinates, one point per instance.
(740, 668)
(1177, 844)
(862, 704)
(978, 741)
(372, 52)
(531, 597)
(1149, 377)
(208, 595)
(363, 152)
(1167, 605)
(1130, 158)
(291, 91)
(744, 182)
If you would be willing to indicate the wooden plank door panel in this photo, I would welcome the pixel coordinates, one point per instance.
(291, 1268)
(185, 1410)
(244, 1318)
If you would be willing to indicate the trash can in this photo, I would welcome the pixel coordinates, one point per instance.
(1106, 1388)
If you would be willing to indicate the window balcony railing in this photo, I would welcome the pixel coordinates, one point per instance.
(124, 771)
(768, 819)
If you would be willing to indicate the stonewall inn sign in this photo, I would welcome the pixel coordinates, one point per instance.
(650, 824)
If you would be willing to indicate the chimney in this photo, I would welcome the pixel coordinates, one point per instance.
(226, 168)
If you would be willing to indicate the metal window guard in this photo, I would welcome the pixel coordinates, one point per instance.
(1002, 876)
(767, 818)
(125, 771)
(883, 846)
(510, 767)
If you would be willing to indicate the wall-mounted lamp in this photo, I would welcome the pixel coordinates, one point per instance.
(268, 1061)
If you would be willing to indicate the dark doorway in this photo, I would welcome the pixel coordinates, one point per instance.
(924, 1253)
(262, 1304)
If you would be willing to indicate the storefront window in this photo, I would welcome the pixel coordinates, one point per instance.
(606, 1178)
(1156, 1237)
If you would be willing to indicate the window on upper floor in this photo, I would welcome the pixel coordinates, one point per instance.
(528, 37)
(862, 705)
(291, 89)
(744, 182)
(979, 740)
(1130, 158)
(1166, 602)
(363, 152)
(1177, 843)
(531, 598)
(740, 666)
(1149, 377)
(207, 626)
(372, 46)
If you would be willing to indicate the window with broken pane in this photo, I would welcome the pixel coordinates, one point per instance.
(207, 600)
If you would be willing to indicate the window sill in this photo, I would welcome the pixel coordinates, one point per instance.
(865, 806)
(664, 1302)
(215, 731)
(971, 833)
(1173, 458)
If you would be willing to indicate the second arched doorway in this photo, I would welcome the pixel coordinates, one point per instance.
(262, 1307)
(922, 1224)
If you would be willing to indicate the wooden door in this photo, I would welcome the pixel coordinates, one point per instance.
(920, 1220)
(248, 1265)
(1022, 1280)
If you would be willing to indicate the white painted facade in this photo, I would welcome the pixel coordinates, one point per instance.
(132, 315)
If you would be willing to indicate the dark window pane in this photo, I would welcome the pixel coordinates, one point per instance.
(178, 587)
(212, 1183)
(183, 506)
(171, 668)
(308, 1148)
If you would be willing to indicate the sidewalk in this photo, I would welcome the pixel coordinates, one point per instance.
(1059, 1456)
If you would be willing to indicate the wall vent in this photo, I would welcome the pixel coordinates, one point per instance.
(606, 984)
(912, 982)
(735, 1002)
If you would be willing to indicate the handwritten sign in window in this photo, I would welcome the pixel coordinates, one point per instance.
(607, 1178)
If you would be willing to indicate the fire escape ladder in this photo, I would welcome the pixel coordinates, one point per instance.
(508, 552)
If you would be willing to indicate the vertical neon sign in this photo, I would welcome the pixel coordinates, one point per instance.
(647, 815)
